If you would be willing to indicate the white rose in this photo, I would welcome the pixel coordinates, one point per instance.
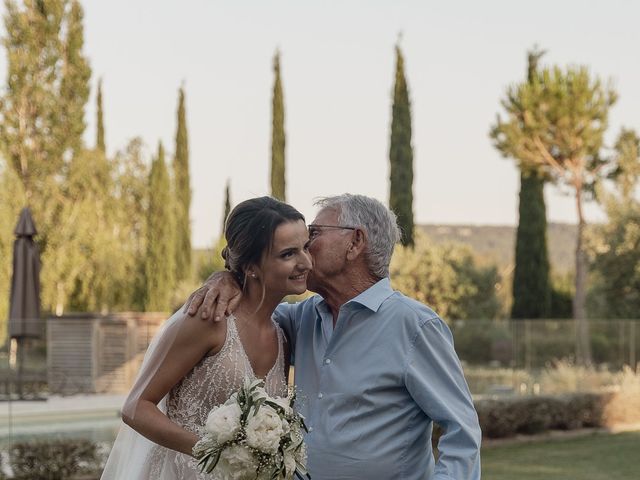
(223, 423)
(237, 463)
(264, 430)
(286, 428)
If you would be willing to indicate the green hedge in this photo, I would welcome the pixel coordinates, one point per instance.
(507, 417)
(529, 415)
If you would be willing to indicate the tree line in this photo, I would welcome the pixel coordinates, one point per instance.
(114, 232)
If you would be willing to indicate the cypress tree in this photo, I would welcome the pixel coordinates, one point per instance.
(537, 133)
(227, 206)
(159, 266)
(100, 144)
(74, 87)
(182, 193)
(401, 154)
(277, 135)
(531, 284)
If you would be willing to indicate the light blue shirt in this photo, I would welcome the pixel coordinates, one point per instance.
(371, 388)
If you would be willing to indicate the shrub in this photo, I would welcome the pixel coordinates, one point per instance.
(57, 459)
(506, 417)
(624, 404)
(563, 376)
(447, 277)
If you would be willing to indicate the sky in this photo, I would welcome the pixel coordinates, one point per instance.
(337, 60)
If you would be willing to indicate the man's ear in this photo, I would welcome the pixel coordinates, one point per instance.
(358, 244)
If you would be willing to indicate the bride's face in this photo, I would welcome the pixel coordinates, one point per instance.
(284, 269)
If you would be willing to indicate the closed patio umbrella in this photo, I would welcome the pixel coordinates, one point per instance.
(24, 306)
(24, 309)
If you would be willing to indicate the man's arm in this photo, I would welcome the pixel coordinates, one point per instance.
(435, 380)
(219, 296)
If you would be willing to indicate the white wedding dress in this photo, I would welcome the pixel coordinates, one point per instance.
(211, 382)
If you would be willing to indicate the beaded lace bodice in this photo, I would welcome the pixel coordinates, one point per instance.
(211, 382)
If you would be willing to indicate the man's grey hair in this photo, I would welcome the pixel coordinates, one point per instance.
(378, 222)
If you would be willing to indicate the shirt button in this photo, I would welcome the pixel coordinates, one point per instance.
(310, 429)
(327, 361)
(320, 395)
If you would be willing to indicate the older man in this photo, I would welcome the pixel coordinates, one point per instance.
(374, 368)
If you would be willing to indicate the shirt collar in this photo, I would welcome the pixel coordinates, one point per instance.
(371, 298)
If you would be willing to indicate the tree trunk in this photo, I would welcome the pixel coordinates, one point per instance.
(583, 343)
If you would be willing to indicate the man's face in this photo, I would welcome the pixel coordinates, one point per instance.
(328, 249)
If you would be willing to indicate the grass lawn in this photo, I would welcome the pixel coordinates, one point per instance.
(595, 457)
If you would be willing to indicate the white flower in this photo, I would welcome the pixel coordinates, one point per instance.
(237, 463)
(223, 422)
(286, 428)
(264, 430)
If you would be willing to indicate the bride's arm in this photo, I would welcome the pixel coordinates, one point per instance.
(193, 341)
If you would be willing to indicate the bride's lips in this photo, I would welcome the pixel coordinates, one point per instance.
(299, 278)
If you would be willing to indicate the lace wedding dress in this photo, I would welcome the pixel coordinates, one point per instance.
(211, 382)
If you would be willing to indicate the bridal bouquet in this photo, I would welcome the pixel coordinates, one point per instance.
(254, 436)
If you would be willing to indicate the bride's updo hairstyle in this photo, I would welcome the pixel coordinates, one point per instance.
(249, 232)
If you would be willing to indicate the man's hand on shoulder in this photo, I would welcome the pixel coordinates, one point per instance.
(219, 296)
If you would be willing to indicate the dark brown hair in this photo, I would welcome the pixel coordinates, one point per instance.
(249, 232)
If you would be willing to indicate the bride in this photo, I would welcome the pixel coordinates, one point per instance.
(192, 366)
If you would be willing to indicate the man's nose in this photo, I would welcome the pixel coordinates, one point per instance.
(307, 262)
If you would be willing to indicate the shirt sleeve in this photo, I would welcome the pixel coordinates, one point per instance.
(285, 315)
(435, 381)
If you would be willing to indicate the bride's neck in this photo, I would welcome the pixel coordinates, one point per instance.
(257, 305)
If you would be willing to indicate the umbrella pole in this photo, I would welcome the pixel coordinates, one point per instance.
(20, 347)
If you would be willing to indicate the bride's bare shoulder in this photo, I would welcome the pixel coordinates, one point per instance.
(195, 329)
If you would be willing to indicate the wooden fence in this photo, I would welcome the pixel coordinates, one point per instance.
(89, 353)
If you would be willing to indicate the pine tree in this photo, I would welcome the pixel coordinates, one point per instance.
(401, 154)
(227, 206)
(531, 282)
(182, 193)
(159, 261)
(100, 143)
(277, 135)
(557, 123)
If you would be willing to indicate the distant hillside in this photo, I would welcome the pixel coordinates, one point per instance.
(497, 243)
